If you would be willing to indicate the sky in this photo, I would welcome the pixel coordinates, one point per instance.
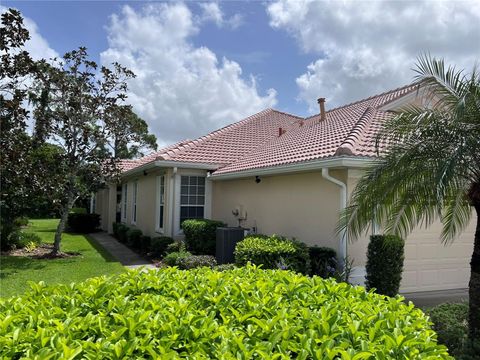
(203, 65)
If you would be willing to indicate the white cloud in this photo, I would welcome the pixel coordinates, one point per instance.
(180, 90)
(371, 46)
(211, 11)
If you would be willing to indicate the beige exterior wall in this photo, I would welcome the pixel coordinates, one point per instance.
(304, 205)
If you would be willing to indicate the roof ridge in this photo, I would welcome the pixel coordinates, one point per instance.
(366, 99)
(348, 145)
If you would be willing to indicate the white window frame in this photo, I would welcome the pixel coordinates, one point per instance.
(160, 203)
(180, 205)
(124, 202)
(134, 202)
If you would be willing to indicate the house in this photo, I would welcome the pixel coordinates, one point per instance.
(275, 172)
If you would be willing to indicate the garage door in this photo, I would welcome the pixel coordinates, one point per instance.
(429, 265)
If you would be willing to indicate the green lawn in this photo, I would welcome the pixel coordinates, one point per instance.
(16, 272)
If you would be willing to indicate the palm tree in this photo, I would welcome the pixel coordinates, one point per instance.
(430, 170)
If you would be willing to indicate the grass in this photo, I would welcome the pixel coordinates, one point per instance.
(16, 271)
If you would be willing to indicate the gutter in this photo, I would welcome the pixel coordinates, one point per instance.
(318, 164)
(342, 253)
(168, 164)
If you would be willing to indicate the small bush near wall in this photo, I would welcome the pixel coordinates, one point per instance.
(245, 313)
(200, 235)
(175, 246)
(174, 258)
(122, 230)
(134, 237)
(160, 244)
(145, 243)
(323, 261)
(196, 261)
(273, 252)
(83, 223)
(20, 239)
(384, 267)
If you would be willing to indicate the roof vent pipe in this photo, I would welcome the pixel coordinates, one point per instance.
(321, 102)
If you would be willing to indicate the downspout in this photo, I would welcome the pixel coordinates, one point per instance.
(342, 254)
(172, 197)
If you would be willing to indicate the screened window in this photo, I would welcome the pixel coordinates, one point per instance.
(192, 197)
(124, 202)
(161, 201)
(134, 204)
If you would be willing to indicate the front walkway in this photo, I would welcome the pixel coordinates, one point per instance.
(426, 299)
(122, 253)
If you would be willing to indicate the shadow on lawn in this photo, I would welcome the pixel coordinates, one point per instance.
(12, 264)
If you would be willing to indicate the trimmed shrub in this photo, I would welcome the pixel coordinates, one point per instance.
(200, 235)
(21, 239)
(115, 229)
(122, 231)
(323, 261)
(20, 221)
(145, 243)
(160, 245)
(176, 246)
(134, 238)
(195, 261)
(384, 267)
(273, 252)
(246, 313)
(83, 223)
(174, 258)
(450, 321)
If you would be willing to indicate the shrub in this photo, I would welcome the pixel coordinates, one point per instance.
(20, 221)
(122, 231)
(323, 261)
(115, 229)
(134, 238)
(145, 243)
(384, 266)
(78, 210)
(273, 252)
(450, 321)
(200, 235)
(174, 258)
(83, 223)
(225, 267)
(21, 239)
(244, 313)
(160, 245)
(195, 261)
(176, 246)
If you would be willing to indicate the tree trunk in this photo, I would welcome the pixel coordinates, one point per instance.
(474, 284)
(61, 225)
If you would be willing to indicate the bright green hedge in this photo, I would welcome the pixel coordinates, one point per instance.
(200, 235)
(245, 313)
(273, 252)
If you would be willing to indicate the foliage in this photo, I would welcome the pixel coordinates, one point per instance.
(451, 325)
(225, 267)
(78, 210)
(174, 258)
(159, 245)
(175, 246)
(430, 167)
(273, 252)
(323, 261)
(200, 235)
(195, 261)
(122, 231)
(245, 313)
(134, 238)
(20, 239)
(145, 243)
(385, 255)
(17, 271)
(83, 223)
(21, 221)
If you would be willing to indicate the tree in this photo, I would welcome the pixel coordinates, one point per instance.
(83, 112)
(430, 170)
(17, 176)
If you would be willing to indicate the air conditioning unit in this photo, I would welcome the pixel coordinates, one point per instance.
(227, 239)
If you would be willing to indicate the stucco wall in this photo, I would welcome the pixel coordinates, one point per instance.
(304, 206)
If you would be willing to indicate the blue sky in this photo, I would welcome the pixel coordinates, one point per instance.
(202, 65)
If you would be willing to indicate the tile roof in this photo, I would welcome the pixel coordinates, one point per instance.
(255, 142)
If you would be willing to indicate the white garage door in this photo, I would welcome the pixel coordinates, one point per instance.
(429, 265)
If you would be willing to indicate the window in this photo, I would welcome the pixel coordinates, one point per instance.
(160, 201)
(124, 202)
(134, 204)
(192, 197)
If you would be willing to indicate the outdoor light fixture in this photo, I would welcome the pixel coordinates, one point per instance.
(257, 179)
(144, 172)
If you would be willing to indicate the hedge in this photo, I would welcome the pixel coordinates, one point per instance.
(323, 261)
(200, 235)
(83, 223)
(384, 266)
(160, 244)
(273, 252)
(134, 237)
(244, 313)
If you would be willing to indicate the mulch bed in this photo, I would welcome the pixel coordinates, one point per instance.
(43, 251)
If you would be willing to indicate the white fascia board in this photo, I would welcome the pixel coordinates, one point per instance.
(169, 164)
(334, 162)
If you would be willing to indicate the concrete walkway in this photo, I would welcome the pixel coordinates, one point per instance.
(426, 299)
(122, 253)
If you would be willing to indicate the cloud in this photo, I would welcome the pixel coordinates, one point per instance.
(371, 46)
(211, 11)
(182, 91)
